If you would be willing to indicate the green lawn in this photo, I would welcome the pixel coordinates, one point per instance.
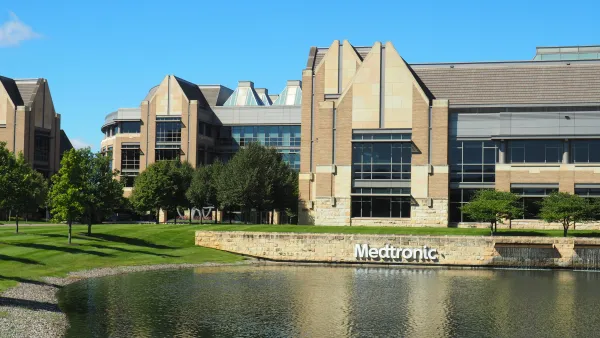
(395, 230)
(39, 251)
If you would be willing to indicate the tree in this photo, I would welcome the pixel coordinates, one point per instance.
(249, 179)
(203, 189)
(103, 193)
(286, 191)
(493, 206)
(565, 208)
(183, 177)
(67, 196)
(158, 187)
(22, 188)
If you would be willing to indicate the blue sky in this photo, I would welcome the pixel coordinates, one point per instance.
(104, 55)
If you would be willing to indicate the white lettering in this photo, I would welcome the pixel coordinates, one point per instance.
(361, 251)
(373, 252)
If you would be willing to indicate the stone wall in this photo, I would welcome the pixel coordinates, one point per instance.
(450, 250)
(326, 214)
(529, 224)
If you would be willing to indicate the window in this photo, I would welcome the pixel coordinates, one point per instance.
(128, 180)
(168, 132)
(42, 147)
(381, 206)
(458, 198)
(109, 153)
(585, 151)
(381, 160)
(535, 151)
(167, 155)
(378, 136)
(473, 161)
(130, 159)
(381, 191)
(130, 127)
(592, 195)
(531, 199)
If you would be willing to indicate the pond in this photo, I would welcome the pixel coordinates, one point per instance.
(327, 301)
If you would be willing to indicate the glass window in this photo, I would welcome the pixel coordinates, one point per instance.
(128, 180)
(535, 151)
(381, 206)
(130, 127)
(41, 147)
(167, 155)
(381, 160)
(459, 198)
(585, 151)
(130, 159)
(168, 132)
(473, 161)
(531, 199)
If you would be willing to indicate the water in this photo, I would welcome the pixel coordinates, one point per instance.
(317, 301)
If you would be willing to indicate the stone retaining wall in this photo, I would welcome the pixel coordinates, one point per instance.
(553, 252)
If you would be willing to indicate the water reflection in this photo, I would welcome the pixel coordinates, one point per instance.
(316, 301)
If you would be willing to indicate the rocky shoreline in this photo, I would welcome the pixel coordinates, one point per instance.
(31, 308)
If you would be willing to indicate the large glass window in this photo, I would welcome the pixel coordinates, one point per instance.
(458, 198)
(381, 160)
(531, 199)
(286, 139)
(473, 161)
(130, 127)
(109, 153)
(585, 151)
(130, 159)
(167, 155)
(168, 132)
(41, 148)
(535, 151)
(592, 195)
(381, 206)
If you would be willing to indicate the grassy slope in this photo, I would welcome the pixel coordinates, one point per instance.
(43, 250)
(39, 251)
(396, 230)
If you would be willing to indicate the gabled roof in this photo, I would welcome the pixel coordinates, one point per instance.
(191, 91)
(13, 91)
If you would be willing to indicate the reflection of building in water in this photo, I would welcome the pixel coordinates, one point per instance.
(322, 299)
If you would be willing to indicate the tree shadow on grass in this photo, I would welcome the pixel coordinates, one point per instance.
(29, 281)
(65, 237)
(60, 248)
(130, 251)
(29, 304)
(130, 241)
(521, 233)
(585, 234)
(19, 259)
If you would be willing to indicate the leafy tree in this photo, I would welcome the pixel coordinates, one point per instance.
(22, 188)
(67, 195)
(159, 187)
(249, 179)
(183, 177)
(493, 206)
(286, 191)
(103, 193)
(565, 208)
(203, 189)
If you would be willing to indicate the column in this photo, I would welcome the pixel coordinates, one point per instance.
(502, 152)
(565, 157)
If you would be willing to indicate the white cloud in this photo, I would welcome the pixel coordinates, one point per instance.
(79, 143)
(15, 31)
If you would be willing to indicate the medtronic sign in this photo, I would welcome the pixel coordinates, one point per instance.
(389, 252)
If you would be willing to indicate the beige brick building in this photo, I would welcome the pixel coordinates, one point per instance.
(180, 120)
(30, 124)
(390, 143)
